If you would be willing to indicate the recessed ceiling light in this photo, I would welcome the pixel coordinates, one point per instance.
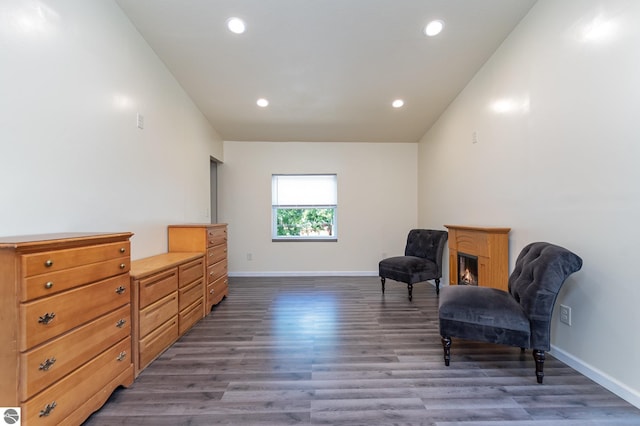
(434, 28)
(397, 103)
(262, 102)
(235, 25)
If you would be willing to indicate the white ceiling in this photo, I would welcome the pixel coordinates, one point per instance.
(330, 68)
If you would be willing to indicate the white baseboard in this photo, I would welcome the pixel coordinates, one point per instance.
(305, 274)
(601, 378)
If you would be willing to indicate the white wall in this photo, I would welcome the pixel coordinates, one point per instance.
(560, 165)
(73, 75)
(377, 205)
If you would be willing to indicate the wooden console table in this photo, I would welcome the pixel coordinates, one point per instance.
(489, 245)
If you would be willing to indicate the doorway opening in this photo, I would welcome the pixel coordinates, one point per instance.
(213, 185)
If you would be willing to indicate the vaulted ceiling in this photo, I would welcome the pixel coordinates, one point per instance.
(330, 69)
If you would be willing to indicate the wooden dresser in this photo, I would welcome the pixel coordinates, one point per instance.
(212, 240)
(168, 298)
(66, 324)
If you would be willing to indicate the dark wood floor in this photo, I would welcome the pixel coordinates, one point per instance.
(281, 351)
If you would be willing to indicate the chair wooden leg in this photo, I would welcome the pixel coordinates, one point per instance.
(383, 279)
(446, 345)
(437, 287)
(538, 356)
(410, 287)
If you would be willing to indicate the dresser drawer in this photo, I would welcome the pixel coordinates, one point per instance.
(188, 295)
(157, 286)
(47, 318)
(217, 290)
(216, 253)
(56, 282)
(216, 271)
(57, 260)
(66, 395)
(221, 283)
(216, 236)
(154, 343)
(190, 316)
(49, 362)
(191, 271)
(157, 313)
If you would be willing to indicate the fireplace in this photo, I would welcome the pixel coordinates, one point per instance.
(467, 269)
(478, 256)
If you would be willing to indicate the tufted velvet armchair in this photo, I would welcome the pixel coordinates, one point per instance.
(520, 317)
(422, 260)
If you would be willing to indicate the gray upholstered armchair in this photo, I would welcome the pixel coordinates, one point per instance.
(520, 317)
(422, 260)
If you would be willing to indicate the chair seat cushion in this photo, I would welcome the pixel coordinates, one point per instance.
(483, 313)
(408, 269)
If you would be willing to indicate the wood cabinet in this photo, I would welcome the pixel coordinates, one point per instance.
(168, 299)
(212, 240)
(66, 324)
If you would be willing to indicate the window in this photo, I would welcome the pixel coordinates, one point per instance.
(304, 207)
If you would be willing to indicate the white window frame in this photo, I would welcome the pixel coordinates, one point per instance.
(284, 195)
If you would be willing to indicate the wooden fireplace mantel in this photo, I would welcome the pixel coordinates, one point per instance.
(490, 245)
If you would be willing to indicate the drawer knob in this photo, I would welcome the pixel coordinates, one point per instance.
(121, 356)
(211, 291)
(121, 323)
(122, 250)
(47, 318)
(48, 263)
(46, 365)
(48, 285)
(121, 289)
(48, 409)
(122, 266)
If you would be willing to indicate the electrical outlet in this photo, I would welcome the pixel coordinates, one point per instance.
(565, 314)
(249, 256)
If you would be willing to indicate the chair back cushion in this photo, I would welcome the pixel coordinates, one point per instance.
(540, 271)
(426, 243)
